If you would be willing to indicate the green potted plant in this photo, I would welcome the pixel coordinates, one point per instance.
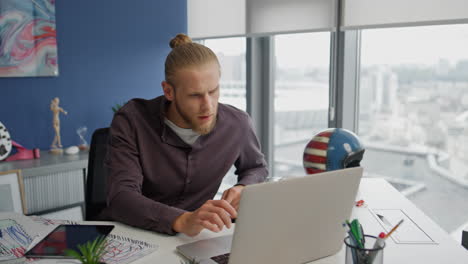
(91, 252)
(116, 107)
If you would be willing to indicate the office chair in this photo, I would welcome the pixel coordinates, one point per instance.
(465, 239)
(97, 175)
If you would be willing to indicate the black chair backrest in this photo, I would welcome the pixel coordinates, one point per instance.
(465, 239)
(97, 175)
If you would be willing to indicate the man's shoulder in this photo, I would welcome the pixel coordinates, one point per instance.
(138, 112)
(141, 106)
(233, 113)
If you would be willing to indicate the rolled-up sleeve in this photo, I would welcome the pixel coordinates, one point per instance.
(125, 200)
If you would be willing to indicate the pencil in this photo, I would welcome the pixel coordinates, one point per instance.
(394, 228)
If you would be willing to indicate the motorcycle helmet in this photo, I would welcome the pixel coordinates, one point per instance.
(333, 149)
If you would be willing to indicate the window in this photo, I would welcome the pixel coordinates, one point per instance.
(301, 96)
(231, 56)
(413, 115)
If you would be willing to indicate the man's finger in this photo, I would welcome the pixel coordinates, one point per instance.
(235, 204)
(213, 218)
(222, 214)
(226, 206)
(212, 227)
(227, 195)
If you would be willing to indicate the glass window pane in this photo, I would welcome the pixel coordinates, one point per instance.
(231, 56)
(301, 96)
(414, 115)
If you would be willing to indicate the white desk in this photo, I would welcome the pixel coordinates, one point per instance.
(378, 194)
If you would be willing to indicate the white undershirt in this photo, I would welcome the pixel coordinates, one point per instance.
(186, 134)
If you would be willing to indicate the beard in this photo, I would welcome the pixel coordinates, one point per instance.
(192, 120)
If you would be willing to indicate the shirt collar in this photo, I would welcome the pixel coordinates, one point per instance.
(168, 136)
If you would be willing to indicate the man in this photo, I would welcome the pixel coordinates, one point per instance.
(167, 156)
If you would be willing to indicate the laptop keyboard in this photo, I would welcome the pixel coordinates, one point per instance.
(221, 259)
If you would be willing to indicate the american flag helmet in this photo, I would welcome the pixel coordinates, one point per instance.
(333, 149)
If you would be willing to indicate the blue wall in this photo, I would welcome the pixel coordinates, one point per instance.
(109, 51)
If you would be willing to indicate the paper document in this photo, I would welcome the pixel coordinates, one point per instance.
(125, 250)
(408, 233)
(18, 233)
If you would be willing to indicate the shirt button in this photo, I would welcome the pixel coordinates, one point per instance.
(188, 181)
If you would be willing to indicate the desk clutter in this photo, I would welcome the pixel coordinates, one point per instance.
(18, 233)
(362, 248)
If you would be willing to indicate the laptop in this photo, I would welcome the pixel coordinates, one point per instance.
(295, 220)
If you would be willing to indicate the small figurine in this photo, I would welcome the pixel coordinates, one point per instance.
(56, 147)
(81, 131)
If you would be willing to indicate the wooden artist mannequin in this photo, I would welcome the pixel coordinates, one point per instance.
(56, 146)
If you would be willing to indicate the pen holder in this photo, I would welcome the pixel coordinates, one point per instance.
(371, 253)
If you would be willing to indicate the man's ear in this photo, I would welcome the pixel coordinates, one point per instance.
(168, 90)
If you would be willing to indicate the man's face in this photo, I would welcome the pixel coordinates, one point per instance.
(194, 97)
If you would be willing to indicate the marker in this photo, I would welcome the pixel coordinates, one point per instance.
(351, 236)
(379, 243)
(356, 229)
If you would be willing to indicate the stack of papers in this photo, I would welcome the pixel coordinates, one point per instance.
(19, 233)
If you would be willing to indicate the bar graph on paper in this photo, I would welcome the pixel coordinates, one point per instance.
(13, 240)
(17, 232)
(121, 250)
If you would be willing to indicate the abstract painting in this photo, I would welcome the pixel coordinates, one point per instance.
(28, 40)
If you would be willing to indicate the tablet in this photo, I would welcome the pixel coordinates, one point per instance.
(67, 237)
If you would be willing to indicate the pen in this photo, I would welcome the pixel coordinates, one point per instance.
(352, 240)
(393, 229)
(363, 234)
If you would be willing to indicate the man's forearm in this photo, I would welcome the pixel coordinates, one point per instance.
(180, 222)
(252, 176)
(134, 209)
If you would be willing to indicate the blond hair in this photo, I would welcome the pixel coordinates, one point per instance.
(186, 54)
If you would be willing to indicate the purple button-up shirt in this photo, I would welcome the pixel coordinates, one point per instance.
(154, 176)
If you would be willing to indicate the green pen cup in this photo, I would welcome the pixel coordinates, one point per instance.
(370, 253)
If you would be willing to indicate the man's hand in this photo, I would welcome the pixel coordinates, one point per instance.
(212, 215)
(232, 195)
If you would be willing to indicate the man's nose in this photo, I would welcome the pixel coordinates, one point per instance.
(206, 103)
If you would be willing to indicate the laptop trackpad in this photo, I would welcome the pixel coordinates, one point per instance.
(207, 248)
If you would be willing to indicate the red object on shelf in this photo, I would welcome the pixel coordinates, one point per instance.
(360, 203)
(23, 153)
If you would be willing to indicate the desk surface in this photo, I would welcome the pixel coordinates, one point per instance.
(377, 193)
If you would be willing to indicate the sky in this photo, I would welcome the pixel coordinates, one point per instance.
(414, 45)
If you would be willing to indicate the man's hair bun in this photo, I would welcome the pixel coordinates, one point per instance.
(179, 40)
